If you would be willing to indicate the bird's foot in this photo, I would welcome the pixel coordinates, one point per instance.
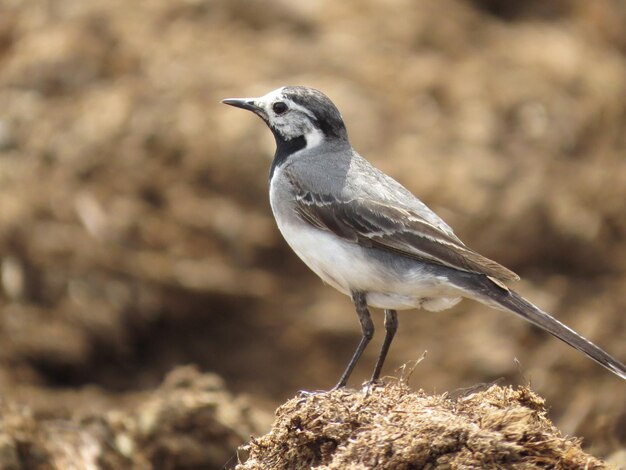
(341, 384)
(306, 393)
(370, 385)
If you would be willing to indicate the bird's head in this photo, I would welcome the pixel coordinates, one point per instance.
(296, 112)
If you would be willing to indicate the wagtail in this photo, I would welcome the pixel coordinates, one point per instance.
(366, 235)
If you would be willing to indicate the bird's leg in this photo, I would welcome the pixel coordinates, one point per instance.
(391, 326)
(367, 327)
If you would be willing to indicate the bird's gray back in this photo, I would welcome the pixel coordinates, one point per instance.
(345, 175)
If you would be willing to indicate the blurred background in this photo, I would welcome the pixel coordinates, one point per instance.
(135, 228)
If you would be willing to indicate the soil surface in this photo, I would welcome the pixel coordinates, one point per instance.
(135, 229)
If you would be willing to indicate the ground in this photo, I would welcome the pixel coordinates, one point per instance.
(136, 235)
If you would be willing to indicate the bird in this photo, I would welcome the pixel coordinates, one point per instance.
(369, 237)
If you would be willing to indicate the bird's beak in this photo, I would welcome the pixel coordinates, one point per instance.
(243, 103)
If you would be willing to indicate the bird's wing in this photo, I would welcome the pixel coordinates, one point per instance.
(389, 226)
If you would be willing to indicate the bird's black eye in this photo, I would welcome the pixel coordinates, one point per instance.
(279, 107)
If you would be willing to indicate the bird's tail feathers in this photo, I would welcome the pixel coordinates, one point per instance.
(497, 295)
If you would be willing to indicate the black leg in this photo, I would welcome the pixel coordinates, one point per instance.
(391, 326)
(367, 327)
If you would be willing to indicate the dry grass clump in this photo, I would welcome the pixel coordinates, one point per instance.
(392, 427)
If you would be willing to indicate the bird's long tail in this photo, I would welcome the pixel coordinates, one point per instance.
(490, 292)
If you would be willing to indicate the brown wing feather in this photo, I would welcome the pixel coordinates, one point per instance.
(382, 225)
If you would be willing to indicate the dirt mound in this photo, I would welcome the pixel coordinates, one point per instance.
(391, 427)
(191, 421)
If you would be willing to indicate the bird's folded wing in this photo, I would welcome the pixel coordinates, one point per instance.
(391, 227)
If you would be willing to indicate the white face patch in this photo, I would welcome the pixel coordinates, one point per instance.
(295, 122)
(270, 97)
(314, 138)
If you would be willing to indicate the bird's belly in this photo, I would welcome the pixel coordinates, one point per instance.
(390, 281)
